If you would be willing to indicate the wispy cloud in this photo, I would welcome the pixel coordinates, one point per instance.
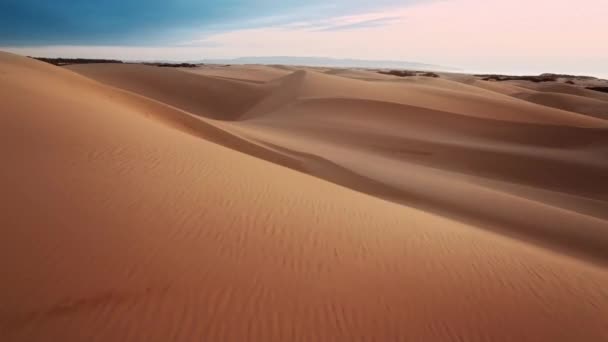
(362, 24)
(203, 43)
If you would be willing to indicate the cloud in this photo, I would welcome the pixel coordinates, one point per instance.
(361, 24)
(203, 43)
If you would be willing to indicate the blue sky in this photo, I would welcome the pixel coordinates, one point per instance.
(506, 36)
(154, 22)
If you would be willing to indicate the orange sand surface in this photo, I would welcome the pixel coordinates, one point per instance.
(261, 203)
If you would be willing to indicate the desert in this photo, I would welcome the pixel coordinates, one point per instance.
(291, 203)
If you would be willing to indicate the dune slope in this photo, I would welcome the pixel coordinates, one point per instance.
(561, 96)
(201, 95)
(127, 218)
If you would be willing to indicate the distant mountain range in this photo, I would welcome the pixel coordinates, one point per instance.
(329, 62)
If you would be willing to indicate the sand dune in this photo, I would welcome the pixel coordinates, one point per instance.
(561, 96)
(248, 73)
(153, 204)
(573, 103)
(555, 87)
(313, 84)
(200, 95)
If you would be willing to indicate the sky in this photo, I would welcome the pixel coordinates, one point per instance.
(502, 36)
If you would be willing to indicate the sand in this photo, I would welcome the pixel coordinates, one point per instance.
(293, 204)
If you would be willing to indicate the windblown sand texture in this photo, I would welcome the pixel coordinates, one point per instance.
(261, 203)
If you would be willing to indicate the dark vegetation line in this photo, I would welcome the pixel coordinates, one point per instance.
(602, 89)
(173, 65)
(540, 78)
(69, 61)
(536, 79)
(406, 73)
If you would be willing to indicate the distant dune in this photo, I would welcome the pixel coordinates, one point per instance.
(329, 62)
(280, 203)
